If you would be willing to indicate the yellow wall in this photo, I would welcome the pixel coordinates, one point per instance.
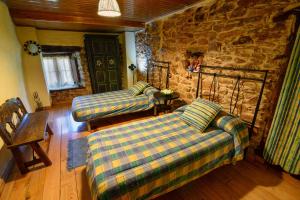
(33, 71)
(11, 72)
(62, 38)
(11, 76)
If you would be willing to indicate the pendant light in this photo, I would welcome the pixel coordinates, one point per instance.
(109, 8)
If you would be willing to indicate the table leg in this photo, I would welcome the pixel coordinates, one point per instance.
(40, 152)
(19, 160)
(166, 106)
(49, 130)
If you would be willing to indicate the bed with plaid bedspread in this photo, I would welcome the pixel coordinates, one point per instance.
(89, 107)
(145, 159)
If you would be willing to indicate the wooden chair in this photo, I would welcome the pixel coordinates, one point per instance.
(19, 128)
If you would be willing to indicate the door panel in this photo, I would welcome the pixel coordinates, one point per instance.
(113, 87)
(110, 47)
(112, 75)
(111, 63)
(104, 59)
(98, 47)
(102, 88)
(101, 77)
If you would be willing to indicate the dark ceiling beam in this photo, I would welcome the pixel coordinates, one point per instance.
(65, 18)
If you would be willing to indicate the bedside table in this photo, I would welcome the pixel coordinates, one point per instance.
(166, 99)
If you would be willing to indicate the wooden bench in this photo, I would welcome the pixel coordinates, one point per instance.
(19, 128)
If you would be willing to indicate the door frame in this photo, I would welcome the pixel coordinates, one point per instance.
(91, 63)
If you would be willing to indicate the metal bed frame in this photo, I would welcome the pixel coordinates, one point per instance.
(238, 79)
(160, 66)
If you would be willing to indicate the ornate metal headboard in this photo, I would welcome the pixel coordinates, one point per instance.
(158, 72)
(238, 77)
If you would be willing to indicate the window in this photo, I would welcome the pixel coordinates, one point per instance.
(61, 69)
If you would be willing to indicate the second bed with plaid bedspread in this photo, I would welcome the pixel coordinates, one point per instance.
(89, 107)
(145, 159)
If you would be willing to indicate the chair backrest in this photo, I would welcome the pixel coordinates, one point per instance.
(12, 113)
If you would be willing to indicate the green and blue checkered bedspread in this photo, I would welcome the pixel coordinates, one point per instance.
(85, 108)
(147, 158)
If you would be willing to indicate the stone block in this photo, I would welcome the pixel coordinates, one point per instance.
(243, 40)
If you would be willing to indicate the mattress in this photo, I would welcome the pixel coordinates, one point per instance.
(145, 159)
(89, 107)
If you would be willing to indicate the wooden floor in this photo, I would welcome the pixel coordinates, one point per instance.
(243, 181)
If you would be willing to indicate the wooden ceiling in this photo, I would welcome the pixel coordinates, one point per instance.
(82, 14)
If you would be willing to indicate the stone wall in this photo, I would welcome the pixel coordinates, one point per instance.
(238, 33)
(66, 96)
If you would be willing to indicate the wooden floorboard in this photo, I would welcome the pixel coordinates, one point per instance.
(53, 178)
(81, 180)
(68, 177)
(245, 180)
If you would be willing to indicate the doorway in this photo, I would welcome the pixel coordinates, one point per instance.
(104, 62)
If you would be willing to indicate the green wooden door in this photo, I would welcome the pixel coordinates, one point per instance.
(103, 59)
